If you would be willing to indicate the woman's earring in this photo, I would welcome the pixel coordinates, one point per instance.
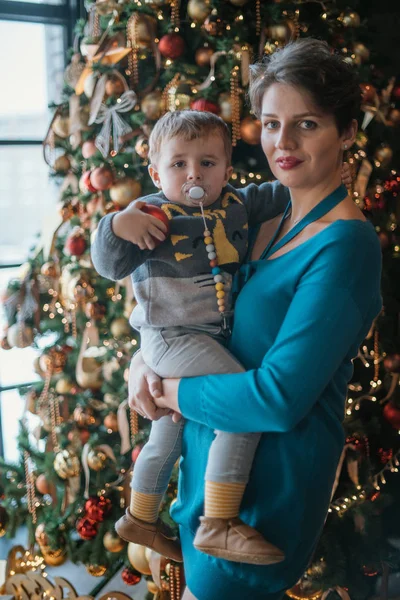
(345, 147)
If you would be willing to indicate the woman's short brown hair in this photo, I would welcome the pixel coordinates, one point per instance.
(309, 64)
(189, 125)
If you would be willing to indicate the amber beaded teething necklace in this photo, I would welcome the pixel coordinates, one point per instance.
(197, 193)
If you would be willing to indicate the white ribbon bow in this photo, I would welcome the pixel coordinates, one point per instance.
(112, 120)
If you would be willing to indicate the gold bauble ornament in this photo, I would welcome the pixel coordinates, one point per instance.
(303, 591)
(394, 116)
(60, 126)
(361, 139)
(54, 360)
(203, 56)
(20, 335)
(198, 10)
(90, 375)
(137, 558)
(125, 190)
(250, 130)
(112, 542)
(282, 32)
(111, 422)
(225, 104)
(361, 52)
(383, 155)
(54, 558)
(66, 464)
(120, 328)
(151, 586)
(96, 459)
(64, 386)
(62, 164)
(350, 19)
(3, 521)
(151, 105)
(84, 416)
(181, 96)
(142, 147)
(96, 570)
(143, 31)
(114, 86)
(155, 3)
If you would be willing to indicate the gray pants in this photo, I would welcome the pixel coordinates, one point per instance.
(180, 352)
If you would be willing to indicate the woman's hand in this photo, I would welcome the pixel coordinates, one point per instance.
(143, 387)
(169, 398)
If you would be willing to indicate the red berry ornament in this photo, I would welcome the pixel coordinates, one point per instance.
(86, 528)
(171, 46)
(97, 508)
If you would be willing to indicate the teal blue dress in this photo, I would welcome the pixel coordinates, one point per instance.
(299, 321)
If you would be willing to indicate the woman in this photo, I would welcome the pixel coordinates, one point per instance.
(311, 294)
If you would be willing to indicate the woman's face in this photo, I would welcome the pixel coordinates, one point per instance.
(301, 142)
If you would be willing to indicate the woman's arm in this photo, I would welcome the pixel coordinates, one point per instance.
(329, 316)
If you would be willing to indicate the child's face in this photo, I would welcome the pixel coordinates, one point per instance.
(182, 165)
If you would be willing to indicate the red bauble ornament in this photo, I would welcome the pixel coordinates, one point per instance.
(159, 214)
(392, 414)
(102, 178)
(75, 244)
(206, 105)
(171, 46)
(135, 452)
(392, 363)
(396, 92)
(97, 508)
(86, 528)
(130, 577)
(85, 184)
(368, 92)
(384, 239)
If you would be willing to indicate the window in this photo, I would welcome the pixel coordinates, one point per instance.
(34, 38)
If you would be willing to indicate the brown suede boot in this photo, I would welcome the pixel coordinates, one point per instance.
(157, 536)
(234, 540)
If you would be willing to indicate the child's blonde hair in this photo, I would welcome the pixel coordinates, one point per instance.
(189, 125)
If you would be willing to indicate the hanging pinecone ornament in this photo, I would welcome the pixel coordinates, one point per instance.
(86, 528)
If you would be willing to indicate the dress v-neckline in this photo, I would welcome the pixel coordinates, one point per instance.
(320, 210)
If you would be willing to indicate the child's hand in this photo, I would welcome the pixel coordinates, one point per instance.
(137, 227)
(346, 175)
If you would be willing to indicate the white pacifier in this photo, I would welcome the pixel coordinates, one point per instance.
(196, 192)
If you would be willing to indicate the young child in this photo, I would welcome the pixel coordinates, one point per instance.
(182, 286)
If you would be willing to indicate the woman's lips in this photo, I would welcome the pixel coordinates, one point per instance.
(288, 162)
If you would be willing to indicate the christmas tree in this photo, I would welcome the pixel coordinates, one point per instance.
(130, 64)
